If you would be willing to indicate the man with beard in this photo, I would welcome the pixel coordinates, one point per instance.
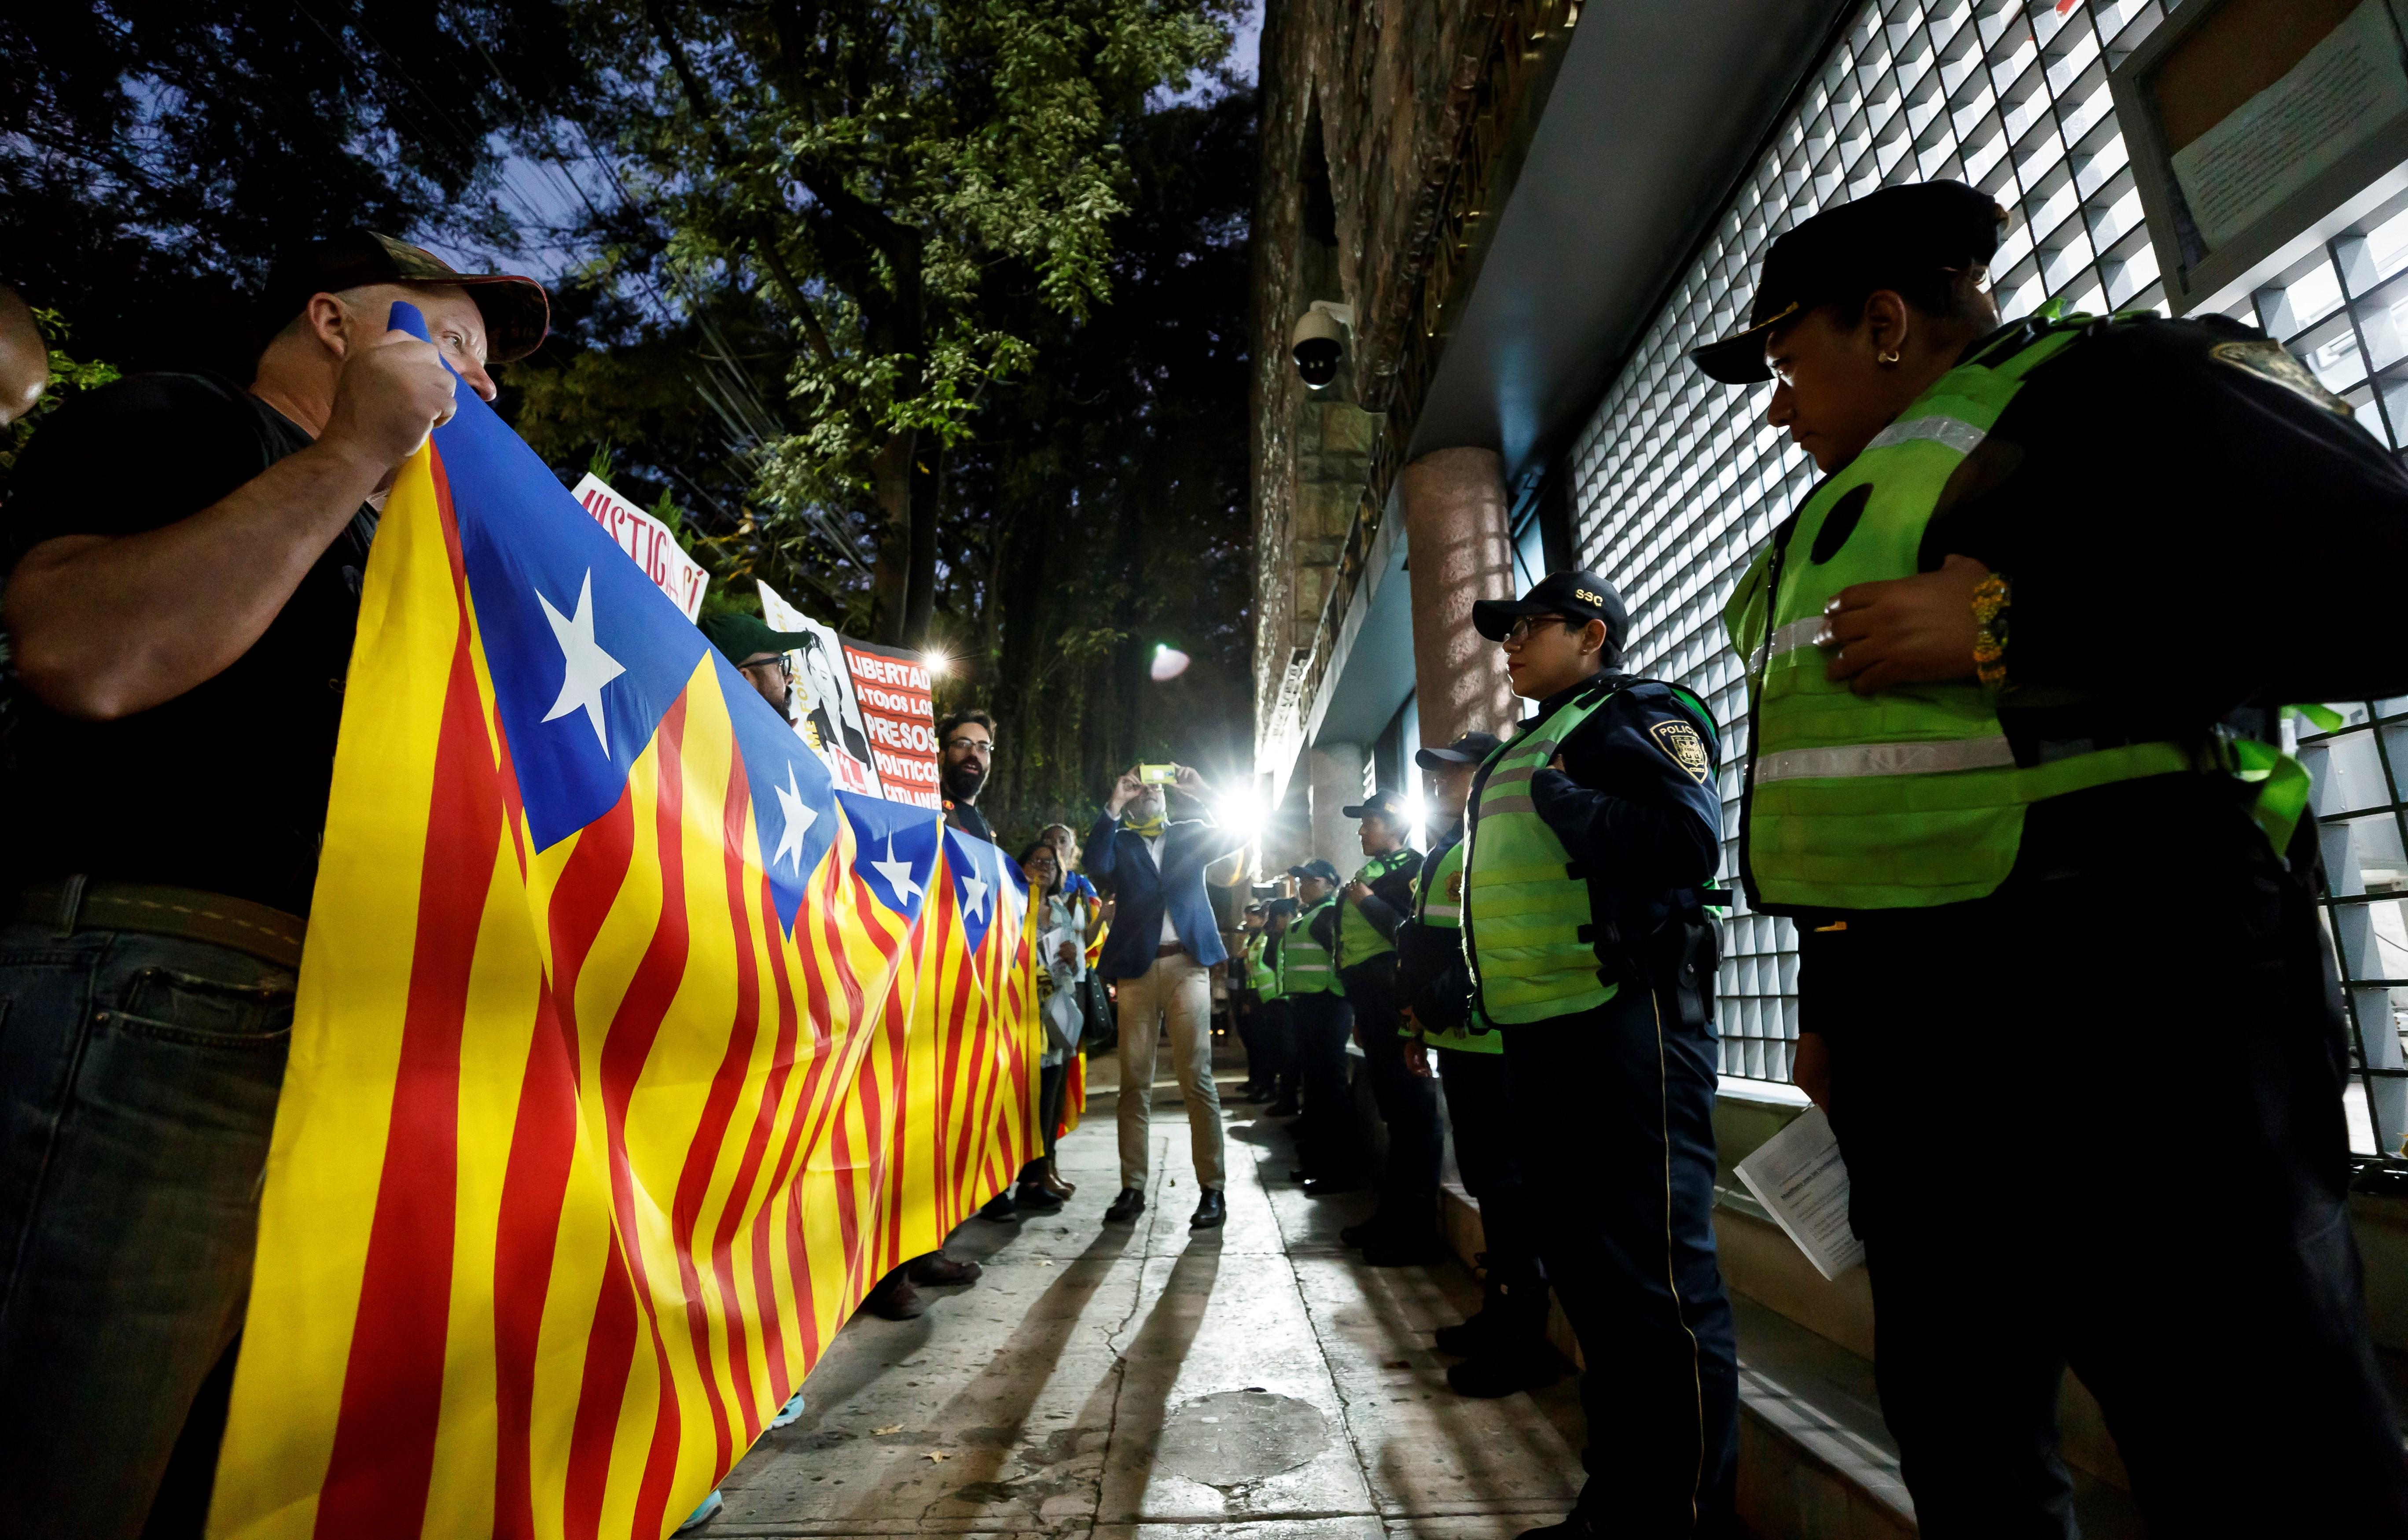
(966, 754)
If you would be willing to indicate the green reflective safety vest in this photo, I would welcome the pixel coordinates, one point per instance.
(1527, 924)
(1304, 962)
(1261, 977)
(1908, 797)
(1437, 902)
(1358, 941)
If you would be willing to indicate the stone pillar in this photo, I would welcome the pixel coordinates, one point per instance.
(1337, 783)
(1457, 550)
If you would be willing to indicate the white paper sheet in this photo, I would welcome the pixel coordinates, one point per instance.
(1798, 1177)
(2288, 135)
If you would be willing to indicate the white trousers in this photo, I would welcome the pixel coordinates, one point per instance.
(1179, 989)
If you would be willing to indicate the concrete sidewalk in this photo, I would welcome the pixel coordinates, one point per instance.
(1141, 1380)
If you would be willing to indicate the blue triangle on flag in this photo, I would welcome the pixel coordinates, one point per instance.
(977, 883)
(897, 849)
(794, 796)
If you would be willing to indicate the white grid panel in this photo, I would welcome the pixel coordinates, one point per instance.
(2344, 310)
(1677, 480)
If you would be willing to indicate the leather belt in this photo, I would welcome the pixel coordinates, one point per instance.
(152, 908)
(1169, 949)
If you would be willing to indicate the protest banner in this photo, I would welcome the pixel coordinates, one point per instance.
(827, 710)
(893, 686)
(648, 540)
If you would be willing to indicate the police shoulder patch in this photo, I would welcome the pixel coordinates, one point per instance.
(2272, 361)
(1681, 743)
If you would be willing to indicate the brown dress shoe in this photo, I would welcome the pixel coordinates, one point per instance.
(1053, 1182)
(936, 1269)
(894, 1299)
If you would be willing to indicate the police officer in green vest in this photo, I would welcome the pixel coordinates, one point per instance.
(1589, 837)
(1246, 1005)
(1328, 1145)
(2017, 666)
(1403, 1231)
(1504, 1345)
(1272, 1025)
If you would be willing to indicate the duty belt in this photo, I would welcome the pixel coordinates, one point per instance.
(74, 903)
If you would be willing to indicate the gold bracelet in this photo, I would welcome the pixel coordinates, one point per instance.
(1992, 597)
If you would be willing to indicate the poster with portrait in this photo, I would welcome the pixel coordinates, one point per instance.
(893, 689)
(826, 710)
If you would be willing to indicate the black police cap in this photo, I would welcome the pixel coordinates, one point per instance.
(1575, 595)
(1472, 748)
(1886, 237)
(1315, 868)
(1386, 804)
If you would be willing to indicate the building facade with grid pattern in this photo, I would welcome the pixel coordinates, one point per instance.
(1677, 481)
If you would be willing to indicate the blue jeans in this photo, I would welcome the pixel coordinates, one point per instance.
(139, 1077)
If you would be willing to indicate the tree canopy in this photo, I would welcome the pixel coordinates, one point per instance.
(928, 312)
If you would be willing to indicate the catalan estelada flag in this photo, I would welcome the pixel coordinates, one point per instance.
(628, 1056)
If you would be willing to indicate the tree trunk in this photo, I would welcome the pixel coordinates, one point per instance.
(891, 584)
(920, 587)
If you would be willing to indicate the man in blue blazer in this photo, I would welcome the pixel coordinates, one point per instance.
(1159, 953)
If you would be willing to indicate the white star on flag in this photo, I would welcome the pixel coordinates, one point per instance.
(799, 820)
(974, 897)
(589, 668)
(898, 875)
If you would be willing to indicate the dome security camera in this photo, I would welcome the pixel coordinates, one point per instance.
(1318, 344)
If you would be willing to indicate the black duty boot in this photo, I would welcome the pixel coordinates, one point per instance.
(1370, 1232)
(1472, 1337)
(1518, 1355)
(1211, 1210)
(1128, 1205)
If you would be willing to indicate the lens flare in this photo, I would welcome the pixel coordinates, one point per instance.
(1168, 662)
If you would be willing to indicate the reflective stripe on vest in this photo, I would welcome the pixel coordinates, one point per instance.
(1526, 918)
(1439, 879)
(1908, 797)
(1260, 976)
(1304, 962)
(1358, 941)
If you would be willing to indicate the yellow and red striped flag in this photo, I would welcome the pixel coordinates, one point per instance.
(629, 1052)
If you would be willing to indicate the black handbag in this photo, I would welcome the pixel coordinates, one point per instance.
(1100, 1032)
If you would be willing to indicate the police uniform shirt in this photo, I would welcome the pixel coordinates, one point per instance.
(2194, 531)
(1635, 805)
(2190, 522)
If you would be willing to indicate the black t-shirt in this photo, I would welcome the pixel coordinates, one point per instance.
(224, 787)
(969, 819)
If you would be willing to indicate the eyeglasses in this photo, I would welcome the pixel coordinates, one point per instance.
(954, 745)
(778, 663)
(1520, 631)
